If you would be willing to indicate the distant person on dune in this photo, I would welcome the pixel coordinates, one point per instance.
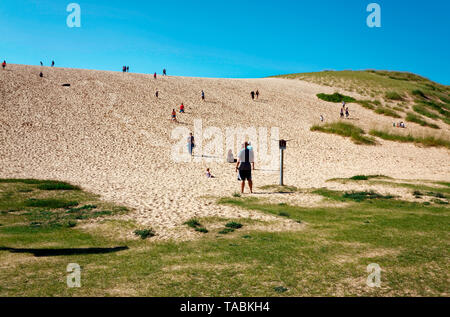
(347, 113)
(4, 64)
(164, 72)
(124, 69)
(174, 115)
(41, 74)
(203, 95)
(253, 95)
(157, 94)
(257, 94)
(182, 108)
(321, 118)
(53, 63)
(42, 64)
(191, 144)
(128, 69)
(342, 112)
(208, 173)
(154, 75)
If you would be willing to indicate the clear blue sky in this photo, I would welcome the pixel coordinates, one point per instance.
(232, 38)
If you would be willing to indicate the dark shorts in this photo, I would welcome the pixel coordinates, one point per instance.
(245, 175)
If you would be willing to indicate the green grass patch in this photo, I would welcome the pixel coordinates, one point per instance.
(411, 117)
(346, 130)
(393, 95)
(50, 203)
(234, 225)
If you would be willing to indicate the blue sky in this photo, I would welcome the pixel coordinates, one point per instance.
(246, 38)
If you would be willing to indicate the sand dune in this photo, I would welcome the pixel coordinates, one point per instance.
(108, 133)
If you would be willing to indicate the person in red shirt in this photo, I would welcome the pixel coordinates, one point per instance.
(154, 75)
(182, 108)
(174, 115)
(4, 64)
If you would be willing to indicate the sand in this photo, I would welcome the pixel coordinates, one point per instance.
(108, 133)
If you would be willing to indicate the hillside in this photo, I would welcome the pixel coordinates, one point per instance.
(109, 134)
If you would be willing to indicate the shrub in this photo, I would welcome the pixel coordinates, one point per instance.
(425, 112)
(284, 214)
(236, 194)
(419, 93)
(336, 97)
(50, 203)
(193, 223)
(411, 117)
(392, 95)
(202, 230)
(226, 231)
(234, 225)
(144, 234)
(53, 185)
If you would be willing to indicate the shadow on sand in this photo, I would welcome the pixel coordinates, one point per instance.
(62, 252)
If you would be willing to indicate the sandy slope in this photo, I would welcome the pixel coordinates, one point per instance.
(109, 134)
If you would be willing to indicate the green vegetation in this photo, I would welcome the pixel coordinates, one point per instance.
(429, 141)
(387, 112)
(336, 97)
(397, 88)
(366, 177)
(346, 130)
(193, 223)
(393, 95)
(408, 240)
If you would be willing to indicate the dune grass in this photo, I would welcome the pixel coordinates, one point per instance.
(336, 98)
(411, 117)
(429, 141)
(387, 112)
(326, 256)
(346, 130)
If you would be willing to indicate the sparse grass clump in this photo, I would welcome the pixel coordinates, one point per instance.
(145, 233)
(57, 186)
(201, 230)
(234, 225)
(423, 111)
(387, 112)
(366, 177)
(236, 194)
(226, 231)
(346, 130)
(429, 141)
(336, 98)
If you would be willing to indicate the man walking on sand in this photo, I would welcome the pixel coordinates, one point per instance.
(244, 165)
(4, 64)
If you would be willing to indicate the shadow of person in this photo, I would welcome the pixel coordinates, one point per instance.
(63, 252)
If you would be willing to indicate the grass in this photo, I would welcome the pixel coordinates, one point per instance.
(429, 141)
(423, 111)
(280, 189)
(393, 95)
(394, 87)
(387, 112)
(50, 203)
(327, 256)
(346, 130)
(365, 177)
(336, 98)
